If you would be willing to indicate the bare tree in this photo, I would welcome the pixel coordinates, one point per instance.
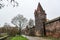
(20, 21)
(31, 23)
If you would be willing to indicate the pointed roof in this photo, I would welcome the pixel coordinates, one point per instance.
(39, 7)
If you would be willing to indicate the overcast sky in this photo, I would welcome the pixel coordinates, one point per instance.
(27, 7)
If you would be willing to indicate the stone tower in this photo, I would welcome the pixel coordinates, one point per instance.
(40, 18)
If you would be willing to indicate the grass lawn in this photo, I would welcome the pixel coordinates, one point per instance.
(19, 38)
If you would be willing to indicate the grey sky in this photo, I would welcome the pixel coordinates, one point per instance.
(27, 7)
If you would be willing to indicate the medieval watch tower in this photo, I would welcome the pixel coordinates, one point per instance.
(40, 18)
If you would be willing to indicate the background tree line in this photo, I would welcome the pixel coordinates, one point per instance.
(20, 22)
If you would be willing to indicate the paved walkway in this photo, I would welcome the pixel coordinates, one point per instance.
(35, 38)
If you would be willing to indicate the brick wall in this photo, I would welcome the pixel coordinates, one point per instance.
(53, 29)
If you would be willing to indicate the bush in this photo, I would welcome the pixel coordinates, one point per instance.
(13, 32)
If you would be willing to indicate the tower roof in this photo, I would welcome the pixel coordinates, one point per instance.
(39, 7)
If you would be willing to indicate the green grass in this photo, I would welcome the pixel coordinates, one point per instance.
(19, 38)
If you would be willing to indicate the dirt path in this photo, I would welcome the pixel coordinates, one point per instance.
(35, 38)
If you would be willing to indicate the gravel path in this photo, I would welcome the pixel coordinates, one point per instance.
(35, 38)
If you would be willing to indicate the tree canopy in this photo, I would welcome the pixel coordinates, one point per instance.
(19, 20)
(31, 23)
(4, 3)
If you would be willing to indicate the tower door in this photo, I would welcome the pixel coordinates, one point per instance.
(44, 31)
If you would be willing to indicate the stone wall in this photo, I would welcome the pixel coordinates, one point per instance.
(53, 28)
(29, 31)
